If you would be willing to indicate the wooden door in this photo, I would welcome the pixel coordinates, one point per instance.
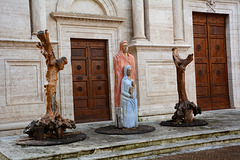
(90, 80)
(210, 61)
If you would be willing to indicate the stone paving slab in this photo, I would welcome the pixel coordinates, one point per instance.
(219, 120)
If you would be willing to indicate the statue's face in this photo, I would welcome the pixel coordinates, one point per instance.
(125, 48)
(63, 61)
(129, 71)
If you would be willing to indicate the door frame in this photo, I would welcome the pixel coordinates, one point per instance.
(231, 37)
(75, 27)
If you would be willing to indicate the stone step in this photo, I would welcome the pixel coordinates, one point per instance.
(164, 140)
(160, 146)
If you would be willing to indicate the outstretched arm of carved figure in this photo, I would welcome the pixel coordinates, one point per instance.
(45, 42)
(188, 60)
(179, 62)
(39, 45)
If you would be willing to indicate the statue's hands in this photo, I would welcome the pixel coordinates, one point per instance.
(39, 45)
(131, 96)
(133, 83)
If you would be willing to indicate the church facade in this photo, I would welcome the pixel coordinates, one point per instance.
(88, 34)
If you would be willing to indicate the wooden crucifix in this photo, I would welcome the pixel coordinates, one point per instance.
(52, 121)
(53, 67)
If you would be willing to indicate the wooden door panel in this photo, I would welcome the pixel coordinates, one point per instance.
(79, 52)
(97, 103)
(219, 90)
(216, 30)
(218, 73)
(97, 52)
(204, 102)
(199, 18)
(203, 91)
(91, 115)
(199, 29)
(210, 61)
(90, 80)
(222, 98)
(79, 67)
(80, 104)
(99, 88)
(200, 47)
(80, 89)
(217, 48)
(201, 73)
(215, 18)
(98, 67)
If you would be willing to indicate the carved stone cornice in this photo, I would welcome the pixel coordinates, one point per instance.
(18, 43)
(160, 45)
(88, 17)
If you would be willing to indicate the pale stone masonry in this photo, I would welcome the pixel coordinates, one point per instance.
(152, 27)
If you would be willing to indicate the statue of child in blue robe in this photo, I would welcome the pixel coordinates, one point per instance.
(128, 100)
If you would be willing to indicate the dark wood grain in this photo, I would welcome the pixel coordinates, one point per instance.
(210, 61)
(90, 80)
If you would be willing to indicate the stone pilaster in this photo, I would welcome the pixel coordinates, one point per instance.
(138, 19)
(38, 14)
(178, 19)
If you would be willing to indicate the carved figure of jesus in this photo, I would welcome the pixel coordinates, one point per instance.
(53, 67)
(132, 89)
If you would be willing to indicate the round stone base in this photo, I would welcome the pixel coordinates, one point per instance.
(196, 122)
(113, 130)
(67, 138)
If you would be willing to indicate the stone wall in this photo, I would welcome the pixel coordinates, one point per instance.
(15, 19)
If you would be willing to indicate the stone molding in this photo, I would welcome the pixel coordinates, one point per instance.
(20, 43)
(13, 126)
(88, 17)
(13, 87)
(108, 6)
(160, 45)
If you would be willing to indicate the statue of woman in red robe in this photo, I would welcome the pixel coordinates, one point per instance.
(120, 60)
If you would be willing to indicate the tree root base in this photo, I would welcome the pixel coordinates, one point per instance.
(53, 126)
(184, 112)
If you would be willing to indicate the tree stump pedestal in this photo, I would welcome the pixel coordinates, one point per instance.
(184, 108)
(52, 124)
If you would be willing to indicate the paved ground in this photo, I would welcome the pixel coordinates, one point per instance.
(220, 120)
(225, 153)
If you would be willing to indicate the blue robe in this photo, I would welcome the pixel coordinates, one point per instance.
(129, 105)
